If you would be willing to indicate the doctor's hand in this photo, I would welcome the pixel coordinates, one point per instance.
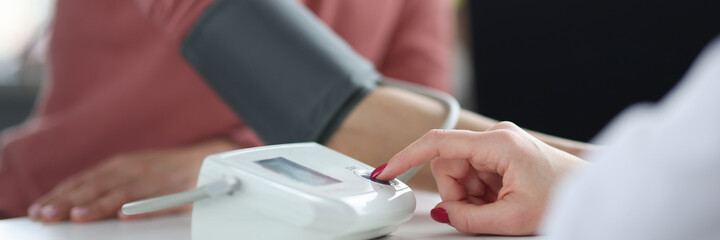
(492, 182)
(99, 192)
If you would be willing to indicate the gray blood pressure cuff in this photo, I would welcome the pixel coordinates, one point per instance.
(288, 76)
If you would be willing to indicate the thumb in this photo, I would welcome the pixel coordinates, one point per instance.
(492, 218)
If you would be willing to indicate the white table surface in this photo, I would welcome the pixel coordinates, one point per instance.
(177, 227)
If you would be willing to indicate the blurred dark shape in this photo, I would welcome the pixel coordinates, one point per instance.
(567, 67)
(18, 91)
(19, 88)
(15, 105)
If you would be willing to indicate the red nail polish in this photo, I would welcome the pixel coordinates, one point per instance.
(439, 215)
(378, 170)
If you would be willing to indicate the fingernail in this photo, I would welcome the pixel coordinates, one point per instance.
(440, 215)
(34, 211)
(378, 170)
(49, 212)
(122, 216)
(79, 213)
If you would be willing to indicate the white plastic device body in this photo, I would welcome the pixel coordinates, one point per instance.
(278, 198)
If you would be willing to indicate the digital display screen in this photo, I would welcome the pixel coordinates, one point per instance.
(296, 171)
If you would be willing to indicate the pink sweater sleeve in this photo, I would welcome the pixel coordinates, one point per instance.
(417, 49)
(176, 18)
(420, 50)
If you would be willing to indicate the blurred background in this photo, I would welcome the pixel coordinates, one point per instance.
(557, 66)
(567, 67)
(22, 26)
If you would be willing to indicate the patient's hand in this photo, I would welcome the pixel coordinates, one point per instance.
(99, 192)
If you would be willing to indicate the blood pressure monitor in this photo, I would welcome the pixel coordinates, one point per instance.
(289, 191)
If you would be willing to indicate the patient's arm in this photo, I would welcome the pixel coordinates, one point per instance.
(476, 122)
(389, 119)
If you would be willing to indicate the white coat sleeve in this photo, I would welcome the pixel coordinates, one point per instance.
(660, 178)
